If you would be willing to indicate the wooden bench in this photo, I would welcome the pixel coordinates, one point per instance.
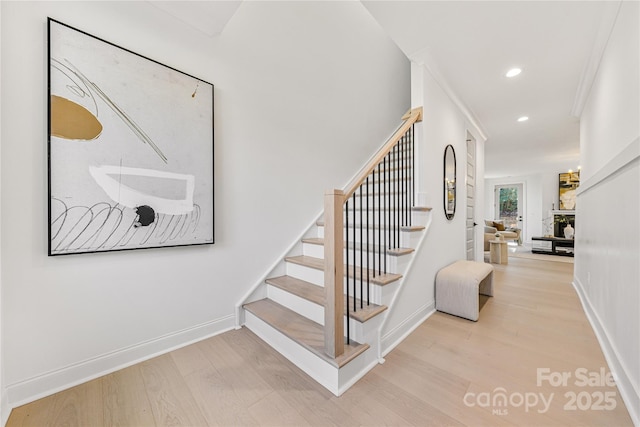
(458, 286)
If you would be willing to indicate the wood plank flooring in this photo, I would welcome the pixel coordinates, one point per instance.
(450, 371)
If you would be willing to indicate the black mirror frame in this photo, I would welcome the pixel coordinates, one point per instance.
(449, 214)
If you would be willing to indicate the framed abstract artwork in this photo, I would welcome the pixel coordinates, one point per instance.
(568, 183)
(130, 149)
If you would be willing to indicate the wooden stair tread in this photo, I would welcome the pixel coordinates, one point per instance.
(315, 294)
(400, 251)
(305, 332)
(366, 312)
(301, 288)
(307, 261)
(313, 240)
(391, 251)
(318, 264)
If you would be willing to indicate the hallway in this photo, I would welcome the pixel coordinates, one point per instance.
(449, 371)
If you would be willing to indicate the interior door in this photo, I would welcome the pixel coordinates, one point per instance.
(509, 200)
(471, 196)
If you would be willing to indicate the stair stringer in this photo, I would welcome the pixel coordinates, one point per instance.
(259, 289)
(398, 292)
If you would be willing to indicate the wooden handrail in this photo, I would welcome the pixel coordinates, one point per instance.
(412, 116)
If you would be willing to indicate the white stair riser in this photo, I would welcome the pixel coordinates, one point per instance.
(365, 332)
(388, 202)
(293, 302)
(307, 274)
(380, 295)
(418, 218)
(392, 262)
(376, 217)
(377, 293)
(369, 236)
(316, 251)
(358, 331)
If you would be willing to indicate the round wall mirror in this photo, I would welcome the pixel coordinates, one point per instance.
(449, 182)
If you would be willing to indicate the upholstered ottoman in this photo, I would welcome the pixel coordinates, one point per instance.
(458, 286)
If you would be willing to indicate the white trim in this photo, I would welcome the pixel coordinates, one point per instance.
(391, 305)
(593, 64)
(52, 382)
(5, 410)
(423, 58)
(357, 377)
(629, 394)
(401, 332)
(627, 156)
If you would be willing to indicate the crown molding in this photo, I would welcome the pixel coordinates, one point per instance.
(423, 57)
(590, 70)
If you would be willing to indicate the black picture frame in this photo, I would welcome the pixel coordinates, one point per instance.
(130, 149)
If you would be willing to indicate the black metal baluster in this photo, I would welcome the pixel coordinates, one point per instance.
(373, 218)
(405, 181)
(361, 248)
(407, 200)
(354, 252)
(402, 210)
(392, 185)
(346, 223)
(379, 223)
(388, 191)
(396, 240)
(413, 168)
(368, 243)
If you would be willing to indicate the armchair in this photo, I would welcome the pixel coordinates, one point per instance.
(491, 228)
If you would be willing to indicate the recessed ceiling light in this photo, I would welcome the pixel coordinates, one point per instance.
(513, 72)
(523, 119)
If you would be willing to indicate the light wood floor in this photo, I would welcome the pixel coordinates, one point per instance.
(535, 320)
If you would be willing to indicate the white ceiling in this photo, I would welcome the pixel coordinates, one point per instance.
(472, 44)
(469, 46)
(210, 17)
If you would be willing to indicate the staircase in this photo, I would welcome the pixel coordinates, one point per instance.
(324, 304)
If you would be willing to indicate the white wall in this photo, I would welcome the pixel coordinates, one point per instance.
(305, 92)
(443, 124)
(607, 272)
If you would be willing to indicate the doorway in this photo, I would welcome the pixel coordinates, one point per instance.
(509, 205)
(471, 198)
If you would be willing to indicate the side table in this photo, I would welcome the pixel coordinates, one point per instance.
(499, 253)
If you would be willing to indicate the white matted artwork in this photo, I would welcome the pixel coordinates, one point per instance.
(130, 149)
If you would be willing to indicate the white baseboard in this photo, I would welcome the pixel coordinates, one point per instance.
(629, 394)
(394, 337)
(52, 382)
(5, 410)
